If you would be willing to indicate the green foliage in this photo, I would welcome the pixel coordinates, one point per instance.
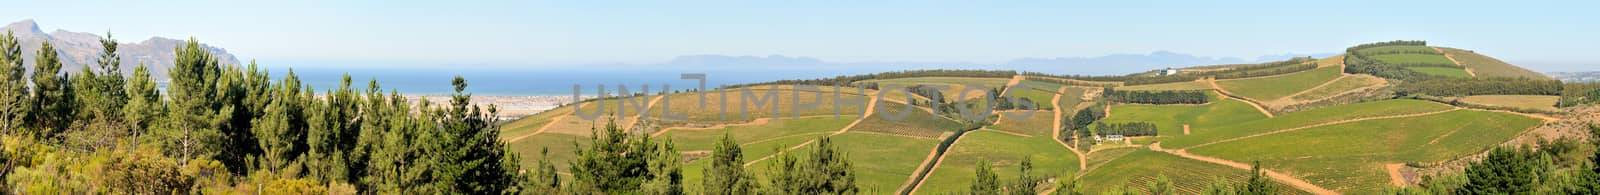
(218, 123)
(1068, 185)
(1087, 116)
(1579, 93)
(987, 182)
(1258, 184)
(52, 97)
(726, 174)
(1157, 97)
(1161, 186)
(617, 161)
(1481, 86)
(1026, 183)
(1126, 129)
(13, 89)
(822, 170)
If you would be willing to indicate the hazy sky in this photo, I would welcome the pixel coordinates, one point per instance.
(1542, 35)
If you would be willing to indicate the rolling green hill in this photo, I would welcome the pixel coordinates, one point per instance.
(1343, 145)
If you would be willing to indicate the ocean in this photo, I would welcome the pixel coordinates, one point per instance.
(538, 82)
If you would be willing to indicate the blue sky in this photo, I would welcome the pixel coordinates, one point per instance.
(1546, 36)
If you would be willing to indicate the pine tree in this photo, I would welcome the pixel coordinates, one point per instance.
(666, 173)
(1219, 186)
(1161, 186)
(475, 159)
(197, 110)
(1068, 185)
(542, 179)
(281, 132)
(726, 175)
(986, 182)
(1258, 184)
(1026, 183)
(1503, 171)
(52, 97)
(332, 134)
(144, 103)
(13, 89)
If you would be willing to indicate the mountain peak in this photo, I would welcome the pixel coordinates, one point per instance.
(24, 26)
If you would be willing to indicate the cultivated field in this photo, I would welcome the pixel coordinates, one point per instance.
(1342, 85)
(1135, 167)
(1488, 66)
(956, 84)
(882, 162)
(1533, 102)
(1038, 124)
(1201, 134)
(1195, 85)
(781, 104)
(774, 130)
(1004, 152)
(562, 147)
(1272, 88)
(1398, 59)
(1350, 157)
(1169, 119)
(919, 123)
(1442, 71)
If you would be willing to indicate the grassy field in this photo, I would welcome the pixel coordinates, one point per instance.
(1135, 167)
(955, 84)
(1209, 133)
(1411, 59)
(1040, 94)
(1004, 152)
(1536, 102)
(1350, 157)
(1339, 86)
(1196, 85)
(882, 162)
(919, 123)
(1442, 71)
(781, 105)
(1405, 48)
(561, 149)
(1271, 88)
(775, 130)
(1169, 119)
(1038, 124)
(531, 123)
(1489, 67)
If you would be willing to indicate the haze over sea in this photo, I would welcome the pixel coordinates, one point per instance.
(537, 82)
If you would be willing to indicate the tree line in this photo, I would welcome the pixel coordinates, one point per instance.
(1265, 71)
(852, 79)
(1481, 86)
(1126, 129)
(1149, 78)
(1375, 53)
(1068, 82)
(220, 127)
(1157, 97)
(1579, 93)
(1353, 49)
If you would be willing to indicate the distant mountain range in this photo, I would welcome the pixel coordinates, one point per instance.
(78, 49)
(1109, 64)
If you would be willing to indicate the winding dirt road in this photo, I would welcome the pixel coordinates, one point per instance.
(1297, 183)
